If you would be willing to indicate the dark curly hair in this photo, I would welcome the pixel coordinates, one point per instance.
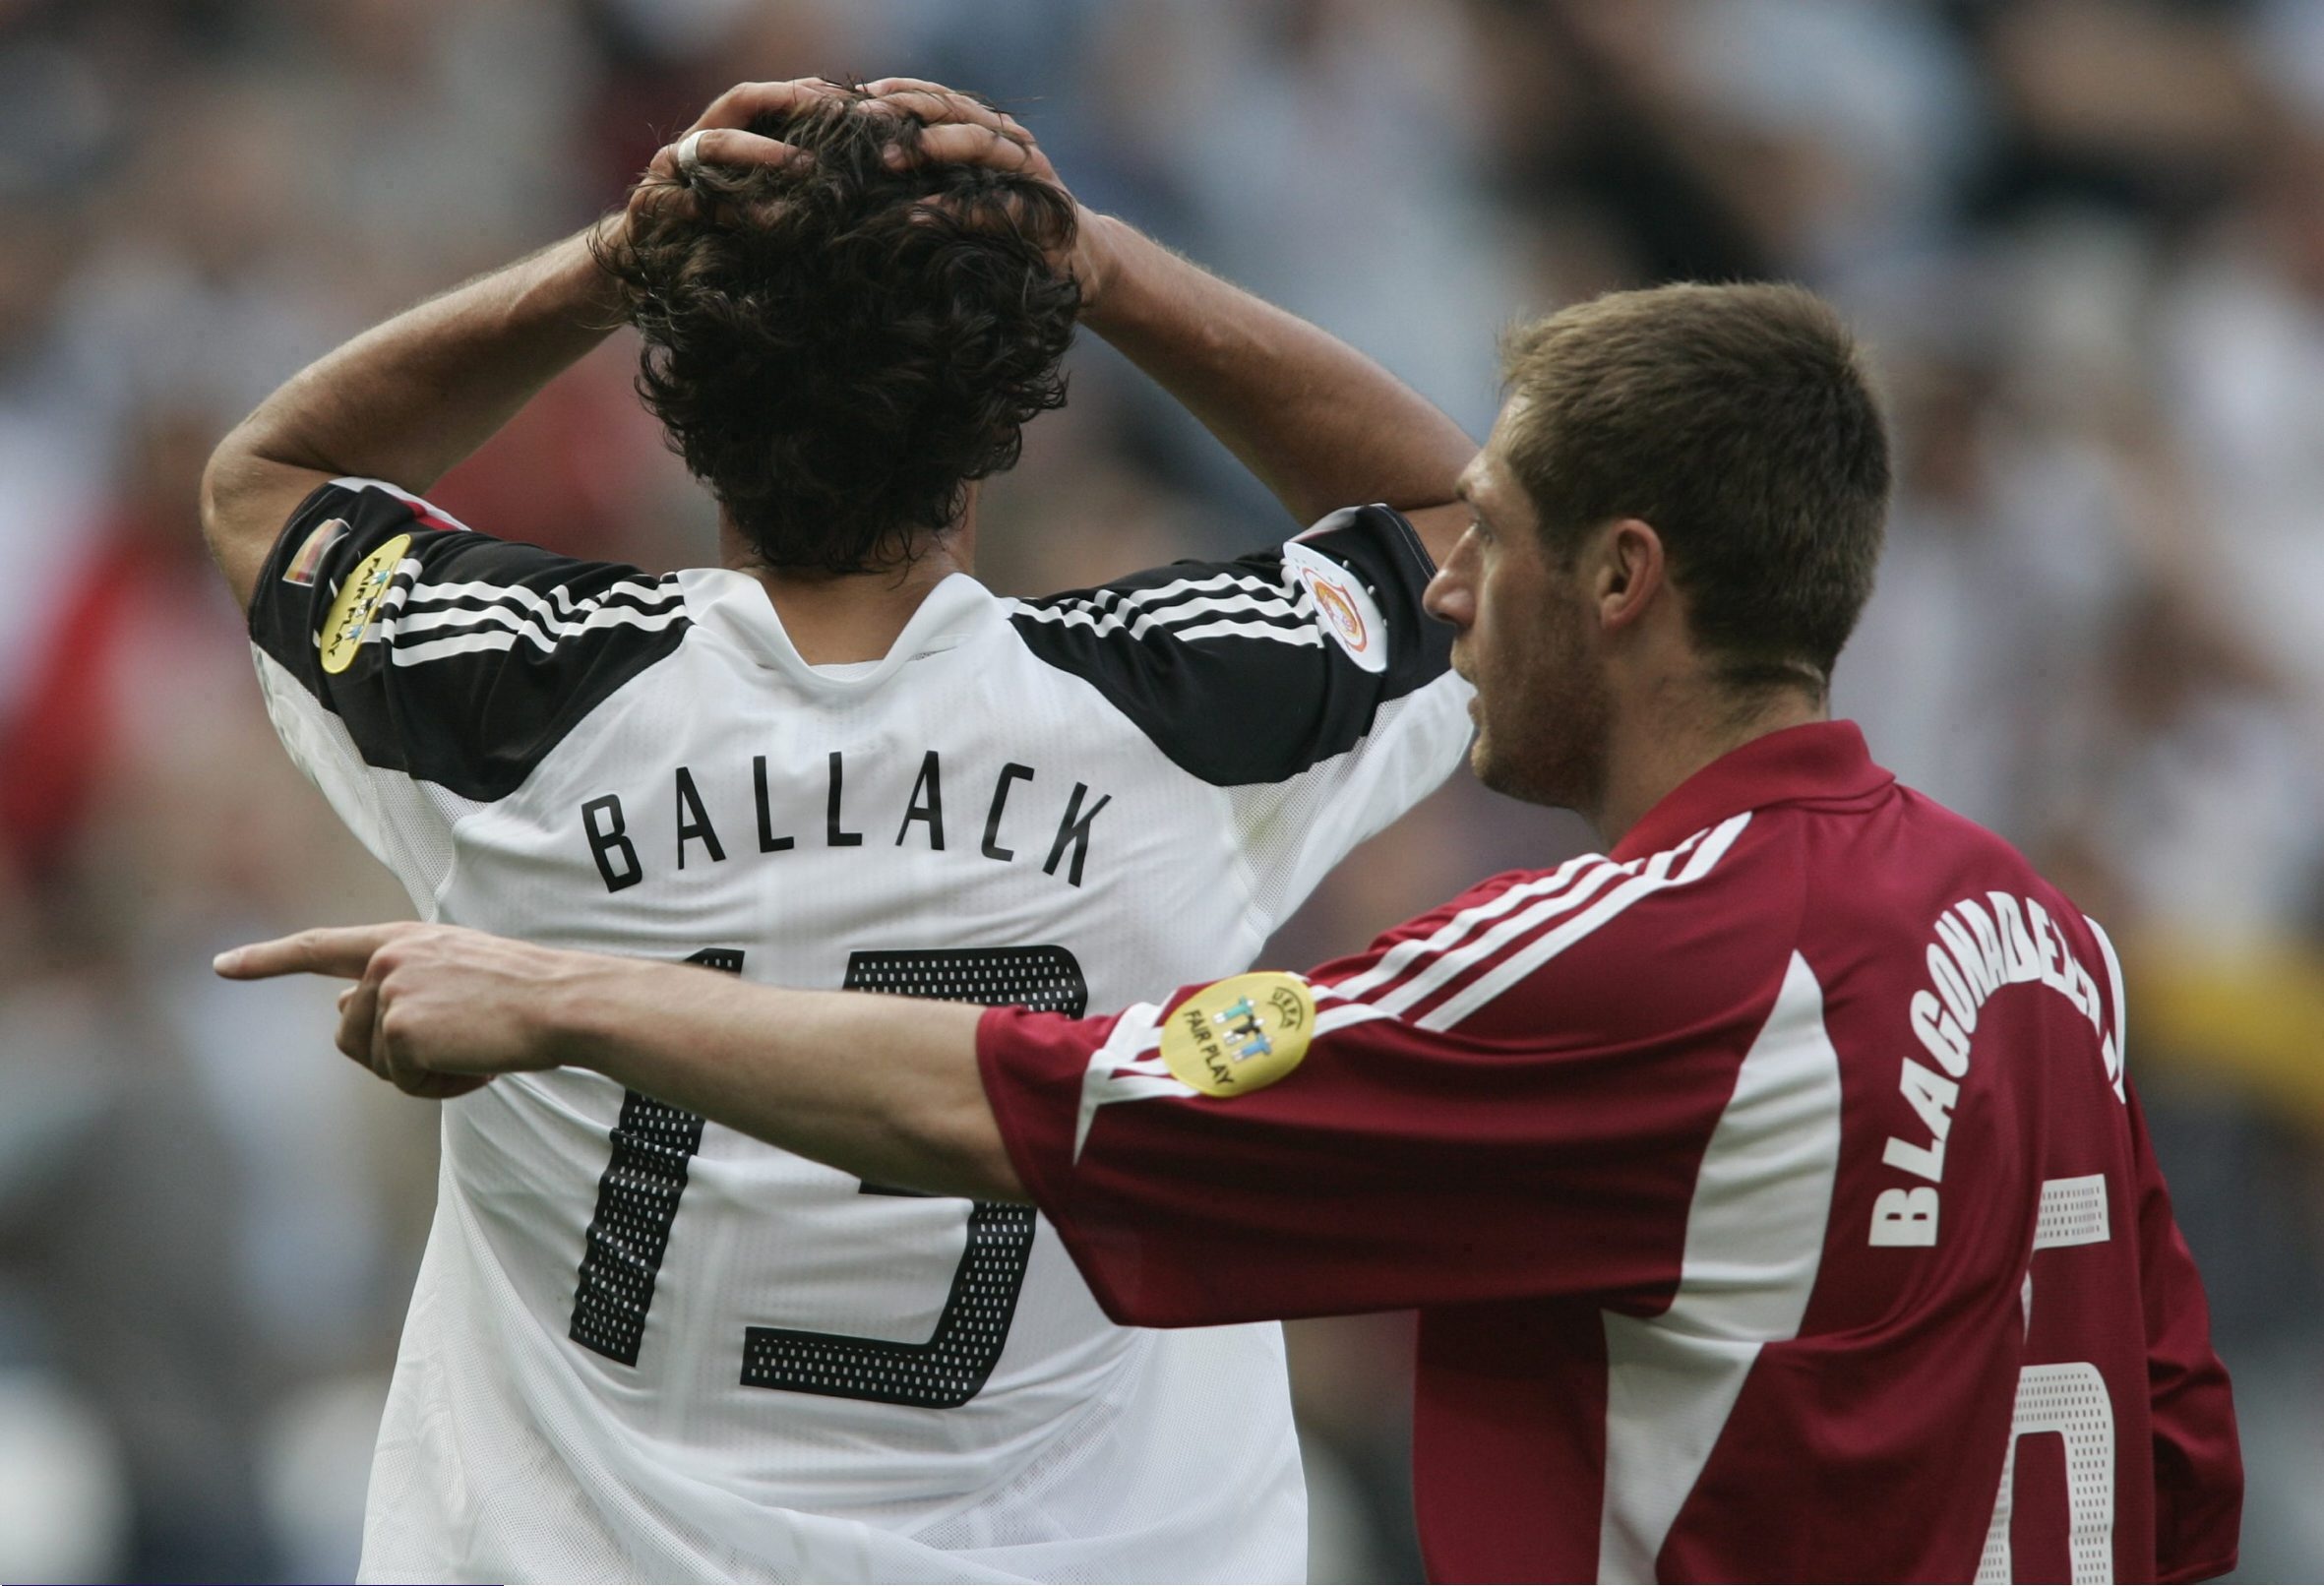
(838, 348)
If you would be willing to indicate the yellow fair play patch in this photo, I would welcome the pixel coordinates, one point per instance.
(1239, 1034)
(351, 609)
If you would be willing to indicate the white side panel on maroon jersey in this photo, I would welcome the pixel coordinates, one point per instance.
(1755, 1241)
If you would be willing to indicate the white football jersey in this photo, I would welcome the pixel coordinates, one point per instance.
(647, 1347)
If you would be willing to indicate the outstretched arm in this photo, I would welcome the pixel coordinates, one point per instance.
(438, 1010)
(1267, 1145)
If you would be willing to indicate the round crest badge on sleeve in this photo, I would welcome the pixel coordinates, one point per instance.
(1239, 1034)
(1344, 608)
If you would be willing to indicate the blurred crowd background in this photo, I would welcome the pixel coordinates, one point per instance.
(2084, 239)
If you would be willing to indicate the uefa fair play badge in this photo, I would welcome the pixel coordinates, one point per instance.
(1241, 1034)
(353, 609)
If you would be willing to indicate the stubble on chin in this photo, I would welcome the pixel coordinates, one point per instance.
(1559, 763)
(1505, 774)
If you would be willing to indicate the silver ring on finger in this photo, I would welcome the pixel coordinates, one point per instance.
(690, 156)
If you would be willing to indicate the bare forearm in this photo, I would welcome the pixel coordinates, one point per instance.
(1319, 423)
(887, 1088)
(407, 399)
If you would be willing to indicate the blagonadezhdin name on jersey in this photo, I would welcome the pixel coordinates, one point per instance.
(643, 1347)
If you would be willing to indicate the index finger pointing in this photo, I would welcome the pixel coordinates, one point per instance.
(343, 950)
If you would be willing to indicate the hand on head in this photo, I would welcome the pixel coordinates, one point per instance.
(960, 129)
(955, 129)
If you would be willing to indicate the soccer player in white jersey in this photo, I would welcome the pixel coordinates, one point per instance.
(645, 1348)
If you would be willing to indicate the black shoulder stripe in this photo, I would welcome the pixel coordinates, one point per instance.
(469, 659)
(1231, 668)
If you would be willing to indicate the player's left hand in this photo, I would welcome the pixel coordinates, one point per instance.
(960, 129)
(435, 1009)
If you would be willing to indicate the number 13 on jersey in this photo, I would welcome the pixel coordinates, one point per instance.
(653, 1142)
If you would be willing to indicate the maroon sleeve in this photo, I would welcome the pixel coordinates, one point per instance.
(2198, 1461)
(1542, 1141)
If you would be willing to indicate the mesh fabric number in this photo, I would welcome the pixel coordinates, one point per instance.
(653, 1142)
(2067, 1399)
(953, 1365)
(637, 1201)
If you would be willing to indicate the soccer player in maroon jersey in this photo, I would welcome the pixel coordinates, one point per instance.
(1771, 1186)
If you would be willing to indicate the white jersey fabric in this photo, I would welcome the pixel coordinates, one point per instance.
(643, 1347)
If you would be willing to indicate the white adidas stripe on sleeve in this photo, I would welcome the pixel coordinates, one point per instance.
(1503, 939)
(500, 614)
(1256, 603)
(472, 639)
(1661, 872)
(1399, 958)
(422, 592)
(1249, 627)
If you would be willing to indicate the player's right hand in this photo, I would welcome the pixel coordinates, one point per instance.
(719, 132)
(434, 1009)
(718, 137)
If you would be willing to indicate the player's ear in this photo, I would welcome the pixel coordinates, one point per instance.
(1629, 572)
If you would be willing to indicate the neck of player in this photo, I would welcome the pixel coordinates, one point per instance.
(1681, 721)
(837, 618)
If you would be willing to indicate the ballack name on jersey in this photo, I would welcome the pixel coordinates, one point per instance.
(702, 834)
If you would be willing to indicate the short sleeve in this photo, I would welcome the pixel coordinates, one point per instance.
(1429, 1147)
(1306, 679)
(1254, 670)
(448, 654)
(416, 670)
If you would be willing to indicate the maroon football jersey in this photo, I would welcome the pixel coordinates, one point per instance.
(1771, 1189)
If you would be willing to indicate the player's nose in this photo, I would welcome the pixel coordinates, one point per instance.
(1448, 598)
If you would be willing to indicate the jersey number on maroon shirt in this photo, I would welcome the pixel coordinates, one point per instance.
(2068, 1398)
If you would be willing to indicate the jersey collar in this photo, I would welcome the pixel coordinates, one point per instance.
(1819, 761)
(735, 605)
